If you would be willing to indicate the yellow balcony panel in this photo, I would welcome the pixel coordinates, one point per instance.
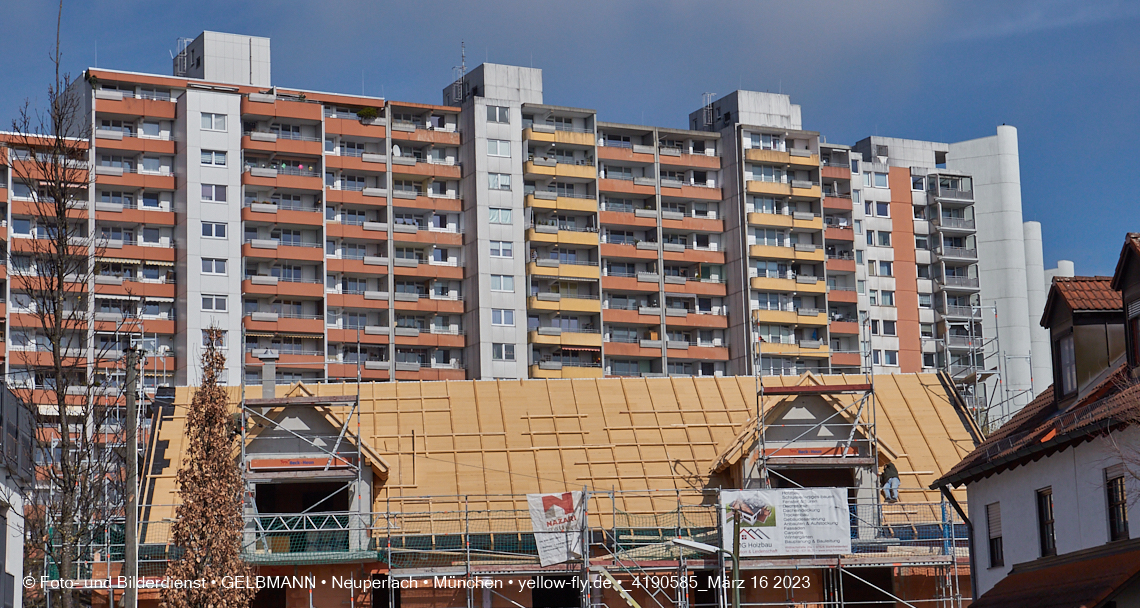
(816, 320)
(570, 271)
(804, 161)
(576, 171)
(533, 303)
(813, 192)
(770, 219)
(537, 372)
(567, 237)
(573, 138)
(531, 134)
(794, 350)
(770, 284)
(783, 317)
(531, 168)
(582, 372)
(812, 224)
(541, 203)
(580, 305)
(562, 203)
(773, 188)
(566, 339)
(768, 156)
(772, 252)
(816, 255)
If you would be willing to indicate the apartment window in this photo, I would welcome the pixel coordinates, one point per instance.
(993, 530)
(1068, 359)
(925, 301)
(150, 128)
(502, 249)
(498, 147)
(213, 122)
(213, 266)
(886, 269)
(1045, 531)
(499, 181)
(213, 302)
(922, 242)
(498, 114)
(502, 316)
(870, 237)
(887, 299)
(502, 282)
(503, 352)
(928, 360)
(889, 328)
(919, 213)
(1117, 503)
(926, 330)
(497, 215)
(874, 327)
(880, 180)
(890, 357)
(861, 287)
(876, 357)
(883, 238)
(883, 209)
(215, 230)
(220, 341)
(214, 158)
(873, 297)
(213, 193)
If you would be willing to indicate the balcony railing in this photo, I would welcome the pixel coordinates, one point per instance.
(959, 311)
(952, 281)
(958, 252)
(955, 222)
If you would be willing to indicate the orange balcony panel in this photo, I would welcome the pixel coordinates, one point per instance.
(698, 287)
(3, 189)
(846, 359)
(430, 305)
(356, 267)
(846, 328)
(141, 216)
(284, 146)
(829, 172)
(694, 224)
(3, 274)
(695, 255)
(623, 154)
(136, 144)
(353, 163)
(431, 270)
(282, 108)
(349, 336)
(354, 197)
(283, 252)
(284, 216)
(283, 288)
(41, 359)
(707, 353)
(833, 233)
(446, 138)
(452, 239)
(138, 289)
(353, 128)
(350, 231)
(628, 284)
(691, 320)
(627, 349)
(33, 245)
(842, 296)
(31, 208)
(3, 315)
(696, 161)
(292, 182)
(158, 326)
(616, 315)
(616, 218)
(354, 300)
(348, 371)
(307, 362)
(622, 186)
(151, 108)
(30, 170)
(430, 203)
(286, 325)
(138, 252)
(840, 265)
(837, 203)
(610, 250)
(137, 180)
(697, 192)
(427, 170)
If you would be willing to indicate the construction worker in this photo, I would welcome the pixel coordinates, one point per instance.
(890, 482)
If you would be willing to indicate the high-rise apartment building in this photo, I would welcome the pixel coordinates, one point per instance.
(500, 236)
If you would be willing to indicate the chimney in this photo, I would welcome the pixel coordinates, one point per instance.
(268, 374)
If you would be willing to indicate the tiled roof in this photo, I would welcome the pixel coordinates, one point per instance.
(1131, 250)
(1081, 578)
(1088, 293)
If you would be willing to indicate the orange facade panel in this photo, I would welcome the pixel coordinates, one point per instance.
(431, 305)
(33, 208)
(445, 138)
(422, 169)
(698, 287)
(352, 336)
(284, 146)
(283, 288)
(354, 300)
(630, 349)
(837, 203)
(287, 325)
(692, 161)
(842, 296)
(846, 328)
(136, 180)
(433, 340)
(282, 108)
(429, 203)
(629, 317)
(622, 186)
(354, 197)
(700, 193)
(707, 353)
(138, 252)
(703, 256)
(354, 163)
(290, 182)
(139, 216)
(846, 359)
(351, 231)
(431, 373)
(836, 233)
(137, 289)
(354, 128)
(629, 284)
(356, 267)
(131, 106)
(703, 321)
(283, 252)
(449, 239)
(350, 370)
(611, 250)
(828, 172)
(284, 216)
(624, 155)
(136, 144)
(615, 218)
(840, 265)
(694, 224)
(435, 271)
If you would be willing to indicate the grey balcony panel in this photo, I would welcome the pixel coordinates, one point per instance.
(407, 127)
(545, 195)
(375, 330)
(407, 366)
(670, 151)
(546, 296)
(645, 212)
(678, 344)
(108, 95)
(546, 263)
(101, 170)
(404, 296)
(260, 280)
(810, 343)
(109, 243)
(809, 247)
(410, 332)
(672, 215)
(803, 215)
(807, 279)
(263, 208)
(265, 353)
(544, 162)
(670, 183)
(807, 312)
(640, 149)
(383, 295)
(644, 181)
(263, 136)
(549, 365)
(674, 247)
(111, 207)
(108, 134)
(376, 226)
(649, 310)
(373, 365)
(262, 172)
(676, 312)
(407, 262)
(372, 260)
(263, 244)
(541, 128)
(648, 277)
(647, 245)
(673, 280)
(802, 183)
(406, 194)
(108, 316)
(263, 316)
(546, 228)
(377, 192)
(405, 228)
(650, 343)
(404, 160)
(374, 158)
(108, 280)
(550, 331)
(799, 152)
(263, 97)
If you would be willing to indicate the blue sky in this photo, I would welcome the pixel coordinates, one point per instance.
(1066, 73)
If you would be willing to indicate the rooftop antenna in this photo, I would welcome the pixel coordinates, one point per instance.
(458, 93)
(707, 101)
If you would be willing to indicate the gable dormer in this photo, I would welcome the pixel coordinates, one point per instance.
(1126, 280)
(1085, 320)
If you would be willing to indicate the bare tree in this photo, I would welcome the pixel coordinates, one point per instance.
(53, 365)
(208, 524)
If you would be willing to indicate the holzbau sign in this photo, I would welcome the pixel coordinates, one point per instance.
(788, 522)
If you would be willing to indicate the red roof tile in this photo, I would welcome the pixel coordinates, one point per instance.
(1088, 293)
(1131, 250)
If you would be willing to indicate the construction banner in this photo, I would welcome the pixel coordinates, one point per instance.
(812, 521)
(557, 520)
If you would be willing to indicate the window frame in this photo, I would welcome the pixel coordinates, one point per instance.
(996, 550)
(1046, 530)
(214, 122)
(1116, 497)
(214, 230)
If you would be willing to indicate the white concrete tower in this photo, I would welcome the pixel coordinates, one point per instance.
(1035, 281)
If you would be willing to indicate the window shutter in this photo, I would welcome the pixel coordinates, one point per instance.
(993, 519)
(1134, 309)
(1116, 470)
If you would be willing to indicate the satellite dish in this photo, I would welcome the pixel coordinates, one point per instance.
(396, 150)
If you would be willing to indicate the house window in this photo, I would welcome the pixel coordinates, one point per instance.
(1068, 364)
(887, 298)
(214, 158)
(1117, 503)
(498, 147)
(886, 269)
(499, 215)
(214, 229)
(993, 529)
(889, 328)
(213, 266)
(214, 193)
(215, 303)
(498, 114)
(499, 181)
(502, 249)
(502, 316)
(880, 180)
(1045, 531)
(503, 352)
(213, 122)
(502, 282)
(884, 238)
